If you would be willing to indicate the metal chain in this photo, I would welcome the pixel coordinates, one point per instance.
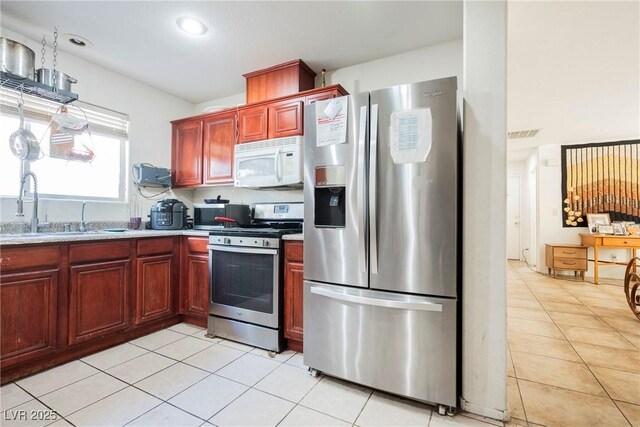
(44, 42)
(55, 57)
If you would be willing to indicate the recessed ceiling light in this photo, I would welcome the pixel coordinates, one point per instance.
(191, 26)
(77, 40)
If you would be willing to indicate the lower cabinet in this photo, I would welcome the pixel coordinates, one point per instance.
(30, 279)
(195, 280)
(29, 306)
(293, 294)
(99, 300)
(156, 273)
(64, 301)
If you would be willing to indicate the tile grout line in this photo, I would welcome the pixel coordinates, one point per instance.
(581, 358)
(526, 419)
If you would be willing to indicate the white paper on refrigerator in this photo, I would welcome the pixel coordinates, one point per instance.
(331, 121)
(410, 135)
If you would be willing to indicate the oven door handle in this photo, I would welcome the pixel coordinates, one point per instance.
(243, 250)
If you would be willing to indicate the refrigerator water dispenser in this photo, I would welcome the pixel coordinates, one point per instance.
(329, 203)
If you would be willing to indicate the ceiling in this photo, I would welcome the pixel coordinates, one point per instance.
(140, 39)
(573, 67)
(573, 70)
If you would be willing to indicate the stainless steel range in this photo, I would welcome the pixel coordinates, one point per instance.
(246, 276)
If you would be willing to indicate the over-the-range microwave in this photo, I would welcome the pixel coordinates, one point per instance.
(269, 163)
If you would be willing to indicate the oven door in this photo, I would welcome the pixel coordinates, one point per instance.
(244, 284)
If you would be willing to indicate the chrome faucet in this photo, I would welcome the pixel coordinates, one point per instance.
(20, 211)
(83, 225)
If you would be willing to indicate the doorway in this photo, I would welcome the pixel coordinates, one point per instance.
(513, 218)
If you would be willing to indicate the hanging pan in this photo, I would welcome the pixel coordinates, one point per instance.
(23, 142)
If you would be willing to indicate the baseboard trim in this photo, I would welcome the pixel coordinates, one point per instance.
(496, 414)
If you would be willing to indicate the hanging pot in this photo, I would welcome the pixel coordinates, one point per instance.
(23, 142)
(17, 59)
(63, 81)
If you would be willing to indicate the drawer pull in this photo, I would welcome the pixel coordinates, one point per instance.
(569, 253)
(569, 263)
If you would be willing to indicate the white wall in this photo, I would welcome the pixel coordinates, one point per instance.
(149, 111)
(550, 217)
(432, 62)
(484, 347)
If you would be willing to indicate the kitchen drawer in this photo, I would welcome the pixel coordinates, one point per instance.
(618, 242)
(24, 258)
(198, 244)
(570, 264)
(84, 252)
(562, 252)
(293, 251)
(162, 245)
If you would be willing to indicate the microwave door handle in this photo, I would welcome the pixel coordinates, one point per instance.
(277, 164)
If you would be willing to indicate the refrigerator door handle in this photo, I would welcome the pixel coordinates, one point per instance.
(378, 302)
(373, 221)
(362, 134)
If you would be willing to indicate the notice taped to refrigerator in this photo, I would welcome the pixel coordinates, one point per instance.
(331, 121)
(410, 135)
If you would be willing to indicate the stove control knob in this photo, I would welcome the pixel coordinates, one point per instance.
(227, 241)
(265, 243)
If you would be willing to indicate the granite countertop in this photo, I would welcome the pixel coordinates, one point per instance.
(26, 238)
(297, 236)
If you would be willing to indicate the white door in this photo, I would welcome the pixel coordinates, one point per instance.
(513, 217)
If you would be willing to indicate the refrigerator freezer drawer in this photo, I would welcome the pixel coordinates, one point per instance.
(402, 344)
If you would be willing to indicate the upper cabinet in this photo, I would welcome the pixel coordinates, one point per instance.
(252, 123)
(202, 147)
(186, 153)
(219, 140)
(285, 118)
(202, 150)
(280, 80)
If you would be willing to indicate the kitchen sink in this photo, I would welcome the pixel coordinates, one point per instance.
(52, 233)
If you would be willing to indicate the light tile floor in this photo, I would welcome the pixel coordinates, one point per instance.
(574, 352)
(178, 377)
(574, 359)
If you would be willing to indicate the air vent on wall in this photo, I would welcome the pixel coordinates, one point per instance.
(530, 133)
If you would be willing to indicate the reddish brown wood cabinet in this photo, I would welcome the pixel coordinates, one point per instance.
(195, 280)
(186, 153)
(286, 118)
(219, 142)
(253, 124)
(293, 294)
(99, 299)
(155, 276)
(28, 303)
(29, 285)
(280, 80)
(59, 302)
(202, 147)
(332, 92)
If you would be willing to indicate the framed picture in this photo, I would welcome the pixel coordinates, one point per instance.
(605, 229)
(594, 221)
(619, 229)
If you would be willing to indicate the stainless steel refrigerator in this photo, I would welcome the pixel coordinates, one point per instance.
(380, 239)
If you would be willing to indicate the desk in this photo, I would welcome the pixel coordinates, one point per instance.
(606, 241)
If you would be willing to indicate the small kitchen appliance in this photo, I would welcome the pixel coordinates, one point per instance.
(205, 214)
(169, 214)
(246, 276)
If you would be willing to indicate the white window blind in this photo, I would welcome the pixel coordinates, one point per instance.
(104, 178)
